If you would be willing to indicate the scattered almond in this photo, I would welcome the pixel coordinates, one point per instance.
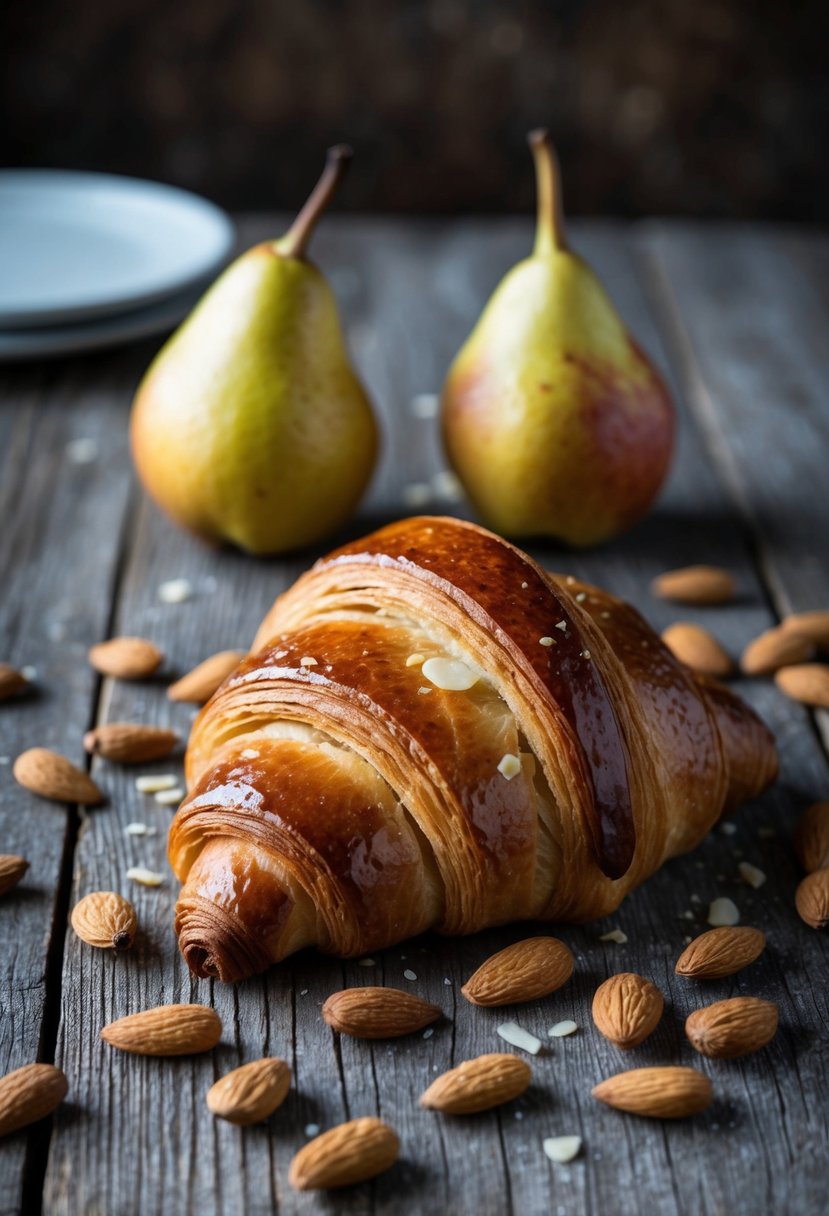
(156, 782)
(751, 875)
(11, 681)
(732, 1028)
(352, 1152)
(667, 1092)
(105, 919)
(811, 840)
(774, 649)
(697, 649)
(168, 1030)
(12, 869)
(562, 1149)
(522, 972)
(518, 1037)
(695, 585)
(251, 1093)
(478, 1084)
(808, 683)
(723, 911)
(28, 1094)
(129, 743)
(126, 658)
(199, 684)
(627, 1008)
(811, 625)
(812, 899)
(721, 952)
(378, 1013)
(52, 776)
(147, 878)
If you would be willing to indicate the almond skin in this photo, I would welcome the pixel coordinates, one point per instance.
(774, 649)
(52, 776)
(478, 1084)
(669, 1092)
(28, 1094)
(627, 1008)
(378, 1013)
(169, 1030)
(811, 625)
(106, 920)
(12, 869)
(807, 683)
(732, 1028)
(126, 658)
(352, 1152)
(251, 1093)
(11, 681)
(721, 952)
(812, 899)
(697, 649)
(811, 840)
(523, 972)
(129, 743)
(695, 585)
(199, 684)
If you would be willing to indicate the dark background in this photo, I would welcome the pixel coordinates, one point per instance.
(695, 107)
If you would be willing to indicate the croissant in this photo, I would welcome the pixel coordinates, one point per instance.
(432, 732)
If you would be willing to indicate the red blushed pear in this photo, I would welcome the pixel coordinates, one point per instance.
(554, 420)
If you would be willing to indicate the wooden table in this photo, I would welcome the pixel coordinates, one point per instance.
(738, 316)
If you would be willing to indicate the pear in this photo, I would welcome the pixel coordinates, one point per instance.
(250, 425)
(554, 420)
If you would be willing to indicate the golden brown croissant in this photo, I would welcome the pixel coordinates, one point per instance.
(433, 732)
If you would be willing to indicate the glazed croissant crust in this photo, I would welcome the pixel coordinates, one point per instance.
(432, 732)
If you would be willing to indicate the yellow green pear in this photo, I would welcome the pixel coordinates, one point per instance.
(554, 420)
(250, 425)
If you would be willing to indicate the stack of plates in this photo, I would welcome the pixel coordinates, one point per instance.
(88, 260)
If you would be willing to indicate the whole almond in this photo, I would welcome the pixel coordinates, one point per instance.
(251, 1093)
(524, 971)
(721, 952)
(129, 743)
(199, 684)
(28, 1094)
(52, 776)
(105, 919)
(812, 899)
(668, 1092)
(478, 1084)
(169, 1030)
(627, 1008)
(11, 681)
(378, 1013)
(349, 1153)
(695, 585)
(12, 869)
(732, 1028)
(808, 683)
(126, 658)
(697, 649)
(811, 625)
(774, 649)
(811, 840)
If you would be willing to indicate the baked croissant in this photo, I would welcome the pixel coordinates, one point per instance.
(432, 732)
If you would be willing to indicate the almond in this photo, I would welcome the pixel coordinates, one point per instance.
(812, 899)
(126, 658)
(378, 1013)
(28, 1094)
(523, 972)
(478, 1084)
(11, 681)
(352, 1152)
(199, 684)
(695, 585)
(697, 649)
(811, 840)
(732, 1028)
(668, 1092)
(626, 1008)
(53, 776)
(169, 1030)
(774, 649)
(128, 743)
(106, 920)
(12, 869)
(808, 683)
(811, 625)
(250, 1093)
(721, 952)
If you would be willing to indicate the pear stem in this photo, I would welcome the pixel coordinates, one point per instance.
(295, 240)
(550, 235)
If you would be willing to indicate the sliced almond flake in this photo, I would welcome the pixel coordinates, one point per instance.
(312, 1129)
(751, 874)
(450, 675)
(615, 935)
(728, 828)
(29, 673)
(569, 580)
(415, 660)
(423, 690)
(585, 654)
(140, 829)
(417, 494)
(308, 660)
(409, 974)
(562, 1149)
(581, 597)
(175, 591)
(169, 797)
(428, 1032)
(547, 641)
(561, 1029)
(155, 783)
(524, 586)
(249, 753)
(365, 962)
(447, 980)
(723, 911)
(518, 1037)
(562, 625)
(509, 766)
(425, 405)
(82, 451)
(147, 878)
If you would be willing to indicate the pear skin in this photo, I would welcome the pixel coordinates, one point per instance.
(554, 420)
(250, 425)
